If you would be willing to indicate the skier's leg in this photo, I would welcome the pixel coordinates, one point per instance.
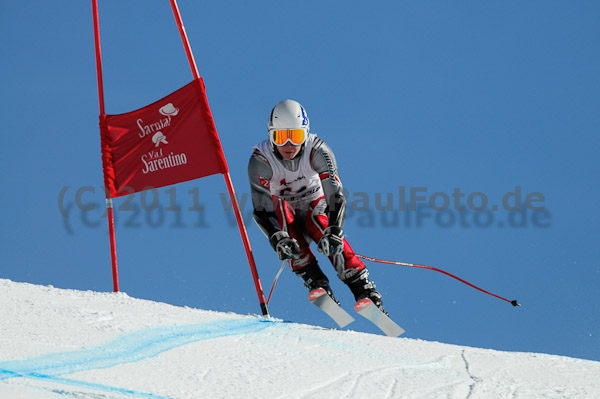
(350, 268)
(314, 278)
(346, 264)
(307, 266)
(362, 288)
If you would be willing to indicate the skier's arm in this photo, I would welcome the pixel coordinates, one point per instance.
(264, 214)
(323, 162)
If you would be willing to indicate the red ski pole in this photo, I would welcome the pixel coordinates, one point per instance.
(513, 302)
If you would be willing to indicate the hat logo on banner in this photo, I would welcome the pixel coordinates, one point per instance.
(159, 138)
(169, 110)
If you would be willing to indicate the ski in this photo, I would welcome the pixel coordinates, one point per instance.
(320, 298)
(367, 309)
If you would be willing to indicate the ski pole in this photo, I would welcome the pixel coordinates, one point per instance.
(283, 264)
(513, 302)
(275, 281)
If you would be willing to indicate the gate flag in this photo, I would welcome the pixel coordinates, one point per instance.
(169, 141)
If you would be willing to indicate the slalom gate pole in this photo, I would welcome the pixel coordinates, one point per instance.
(513, 302)
(247, 247)
(113, 243)
(109, 202)
(226, 175)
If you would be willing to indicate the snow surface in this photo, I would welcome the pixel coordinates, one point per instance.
(57, 343)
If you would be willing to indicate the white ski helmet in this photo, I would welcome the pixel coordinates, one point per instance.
(288, 114)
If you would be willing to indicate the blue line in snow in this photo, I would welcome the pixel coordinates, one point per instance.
(84, 384)
(129, 348)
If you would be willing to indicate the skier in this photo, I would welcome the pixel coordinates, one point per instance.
(297, 198)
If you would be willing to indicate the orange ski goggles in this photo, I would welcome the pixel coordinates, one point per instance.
(281, 136)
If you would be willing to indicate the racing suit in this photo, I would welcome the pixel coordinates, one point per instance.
(302, 196)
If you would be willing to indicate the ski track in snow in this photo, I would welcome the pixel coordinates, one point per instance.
(473, 378)
(126, 349)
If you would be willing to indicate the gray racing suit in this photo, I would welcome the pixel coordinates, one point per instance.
(302, 196)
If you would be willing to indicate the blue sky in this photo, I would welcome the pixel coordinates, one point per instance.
(431, 96)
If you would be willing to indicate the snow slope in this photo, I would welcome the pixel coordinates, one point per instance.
(58, 343)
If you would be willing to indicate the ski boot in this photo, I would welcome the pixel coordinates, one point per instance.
(362, 288)
(314, 278)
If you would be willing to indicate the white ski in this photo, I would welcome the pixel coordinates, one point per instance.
(366, 308)
(320, 298)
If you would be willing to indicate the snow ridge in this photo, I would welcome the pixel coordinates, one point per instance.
(87, 345)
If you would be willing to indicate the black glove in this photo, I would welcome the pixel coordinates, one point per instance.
(332, 242)
(287, 247)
